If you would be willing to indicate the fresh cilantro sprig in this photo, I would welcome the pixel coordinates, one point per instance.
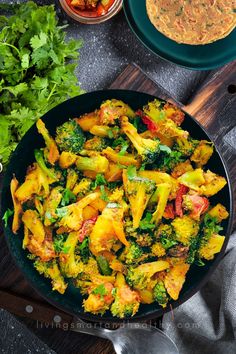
(131, 172)
(6, 216)
(67, 197)
(58, 244)
(146, 223)
(101, 182)
(35, 73)
(100, 290)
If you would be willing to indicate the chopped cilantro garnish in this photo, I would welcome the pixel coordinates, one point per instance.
(131, 172)
(67, 197)
(100, 290)
(104, 195)
(6, 216)
(146, 224)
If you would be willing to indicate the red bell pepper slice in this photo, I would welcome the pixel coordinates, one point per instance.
(86, 228)
(169, 212)
(199, 206)
(152, 126)
(179, 199)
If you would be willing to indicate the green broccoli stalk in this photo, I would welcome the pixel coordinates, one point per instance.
(70, 137)
(148, 149)
(38, 154)
(160, 294)
(103, 265)
(96, 163)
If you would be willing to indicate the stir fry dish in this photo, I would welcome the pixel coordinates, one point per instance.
(91, 7)
(118, 203)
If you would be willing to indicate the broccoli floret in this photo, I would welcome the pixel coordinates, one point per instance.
(136, 279)
(96, 143)
(186, 146)
(111, 110)
(138, 190)
(132, 253)
(158, 250)
(209, 227)
(51, 270)
(96, 163)
(83, 187)
(70, 137)
(122, 310)
(160, 294)
(140, 276)
(166, 236)
(38, 154)
(127, 301)
(168, 161)
(148, 149)
(144, 239)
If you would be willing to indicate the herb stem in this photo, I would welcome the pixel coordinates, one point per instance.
(52, 91)
(12, 46)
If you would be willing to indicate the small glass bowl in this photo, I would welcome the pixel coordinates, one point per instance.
(115, 8)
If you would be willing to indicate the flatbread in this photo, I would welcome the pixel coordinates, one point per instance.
(193, 21)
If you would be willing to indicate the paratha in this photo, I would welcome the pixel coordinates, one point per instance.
(193, 21)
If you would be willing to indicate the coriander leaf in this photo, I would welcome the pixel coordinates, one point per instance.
(104, 195)
(100, 290)
(67, 197)
(123, 149)
(131, 172)
(58, 243)
(99, 181)
(35, 75)
(146, 224)
(18, 89)
(6, 216)
(48, 215)
(61, 212)
(25, 61)
(38, 41)
(167, 242)
(84, 250)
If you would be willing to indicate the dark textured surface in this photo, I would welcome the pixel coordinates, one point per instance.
(17, 339)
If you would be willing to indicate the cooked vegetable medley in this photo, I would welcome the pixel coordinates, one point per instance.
(119, 201)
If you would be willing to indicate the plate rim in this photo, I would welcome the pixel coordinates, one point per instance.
(159, 311)
(184, 64)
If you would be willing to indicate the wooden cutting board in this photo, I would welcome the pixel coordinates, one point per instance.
(214, 106)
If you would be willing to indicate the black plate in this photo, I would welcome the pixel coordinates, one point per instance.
(23, 156)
